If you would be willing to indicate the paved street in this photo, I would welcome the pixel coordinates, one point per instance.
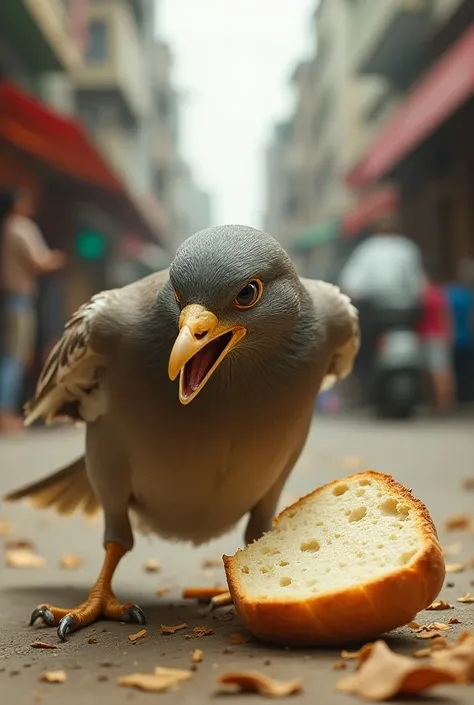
(431, 457)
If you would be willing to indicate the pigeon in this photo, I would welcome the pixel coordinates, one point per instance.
(197, 386)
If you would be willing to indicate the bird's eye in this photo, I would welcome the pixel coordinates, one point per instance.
(249, 295)
(176, 297)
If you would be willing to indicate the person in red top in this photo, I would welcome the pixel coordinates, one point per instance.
(435, 330)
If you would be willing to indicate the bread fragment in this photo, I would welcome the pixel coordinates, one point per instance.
(347, 563)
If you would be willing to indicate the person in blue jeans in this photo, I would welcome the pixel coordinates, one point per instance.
(24, 256)
(461, 300)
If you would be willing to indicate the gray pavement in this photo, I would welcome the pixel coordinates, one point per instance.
(431, 457)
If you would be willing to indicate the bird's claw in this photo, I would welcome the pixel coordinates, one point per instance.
(66, 625)
(134, 615)
(44, 613)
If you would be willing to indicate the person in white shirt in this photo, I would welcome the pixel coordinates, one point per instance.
(384, 276)
(386, 269)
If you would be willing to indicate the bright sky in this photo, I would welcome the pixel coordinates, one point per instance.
(233, 59)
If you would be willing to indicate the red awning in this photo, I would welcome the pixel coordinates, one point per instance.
(52, 138)
(378, 202)
(433, 99)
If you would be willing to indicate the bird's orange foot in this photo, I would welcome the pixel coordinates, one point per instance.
(97, 606)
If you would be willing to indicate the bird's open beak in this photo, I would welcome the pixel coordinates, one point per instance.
(201, 345)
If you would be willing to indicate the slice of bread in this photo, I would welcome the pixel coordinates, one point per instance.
(348, 562)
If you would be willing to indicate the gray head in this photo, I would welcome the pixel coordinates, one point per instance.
(238, 293)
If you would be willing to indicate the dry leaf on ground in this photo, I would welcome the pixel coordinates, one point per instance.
(54, 677)
(457, 522)
(70, 561)
(427, 633)
(438, 625)
(42, 645)
(466, 599)
(458, 658)
(440, 605)
(23, 558)
(197, 656)
(413, 625)
(438, 643)
(137, 635)
(455, 567)
(152, 566)
(172, 629)
(382, 674)
(92, 640)
(453, 620)
(5, 527)
(161, 680)
(240, 638)
(254, 682)
(203, 593)
(202, 631)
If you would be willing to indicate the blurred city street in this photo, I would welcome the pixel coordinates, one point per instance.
(433, 457)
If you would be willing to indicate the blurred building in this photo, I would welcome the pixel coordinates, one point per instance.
(192, 204)
(381, 124)
(81, 107)
(415, 63)
(305, 161)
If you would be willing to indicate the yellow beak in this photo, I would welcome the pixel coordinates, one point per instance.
(200, 334)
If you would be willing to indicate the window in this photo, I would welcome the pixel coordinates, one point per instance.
(97, 48)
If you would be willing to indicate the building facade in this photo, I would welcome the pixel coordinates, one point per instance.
(421, 57)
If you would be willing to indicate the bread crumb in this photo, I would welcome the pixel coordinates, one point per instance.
(457, 522)
(455, 567)
(70, 561)
(197, 656)
(23, 558)
(202, 631)
(152, 566)
(466, 599)
(137, 635)
(43, 645)
(53, 677)
(172, 629)
(254, 682)
(160, 681)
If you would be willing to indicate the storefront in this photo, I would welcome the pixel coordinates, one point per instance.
(427, 150)
(82, 206)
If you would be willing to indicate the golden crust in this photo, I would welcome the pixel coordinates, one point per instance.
(356, 614)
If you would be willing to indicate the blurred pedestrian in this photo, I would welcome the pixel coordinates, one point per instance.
(384, 277)
(436, 333)
(24, 256)
(461, 300)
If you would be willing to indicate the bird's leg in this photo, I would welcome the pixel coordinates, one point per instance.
(262, 514)
(100, 603)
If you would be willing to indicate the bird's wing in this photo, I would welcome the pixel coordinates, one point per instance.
(69, 384)
(340, 318)
(72, 370)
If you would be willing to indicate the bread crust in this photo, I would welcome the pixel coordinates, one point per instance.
(357, 614)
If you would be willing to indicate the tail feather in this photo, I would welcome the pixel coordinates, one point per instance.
(66, 491)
